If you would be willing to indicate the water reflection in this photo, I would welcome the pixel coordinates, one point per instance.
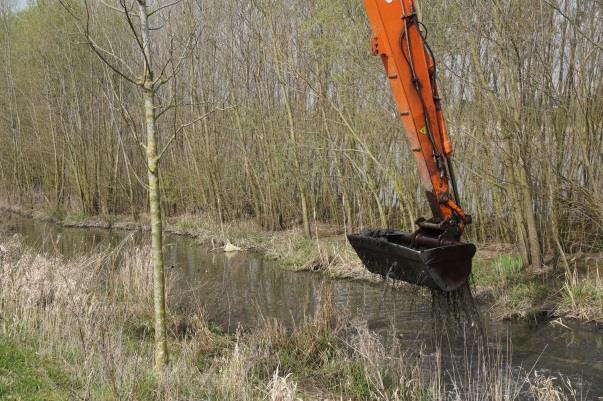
(243, 289)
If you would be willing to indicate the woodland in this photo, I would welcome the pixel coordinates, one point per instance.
(276, 112)
(269, 122)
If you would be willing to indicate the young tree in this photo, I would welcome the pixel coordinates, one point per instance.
(144, 22)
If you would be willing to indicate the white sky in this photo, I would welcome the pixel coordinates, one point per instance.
(21, 4)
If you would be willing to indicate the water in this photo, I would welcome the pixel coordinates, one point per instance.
(243, 290)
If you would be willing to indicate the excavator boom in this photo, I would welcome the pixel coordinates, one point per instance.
(433, 255)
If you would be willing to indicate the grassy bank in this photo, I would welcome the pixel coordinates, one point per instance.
(513, 291)
(25, 375)
(81, 329)
(501, 282)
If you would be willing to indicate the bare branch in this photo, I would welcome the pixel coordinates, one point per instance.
(135, 33)
(190, 45)
(117, 9)
(171, 106)
(163, 7)
(574, 24)
(183, 126)
(98, 50)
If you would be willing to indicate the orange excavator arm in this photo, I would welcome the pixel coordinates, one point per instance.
(411, 71)
(432, 256)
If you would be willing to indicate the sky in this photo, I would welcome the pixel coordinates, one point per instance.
(21, 4)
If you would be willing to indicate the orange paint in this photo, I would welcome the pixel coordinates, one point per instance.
(398, 41)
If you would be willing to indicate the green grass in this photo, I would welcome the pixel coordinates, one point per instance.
(359, 383)
(74, 219)
(496, 272)
(584, 293)
(530, 292)
(186, 224)
(582, 300)
(56, 214)
(25, 375)
(517, 294)
(523, 300)
(147, 388)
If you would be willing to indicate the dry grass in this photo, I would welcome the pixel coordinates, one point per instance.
(327, 252)
(324, 252)
(499, 277)
(91, 317)
(582, 296)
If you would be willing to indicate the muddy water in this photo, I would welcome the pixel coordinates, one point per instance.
(244, 290)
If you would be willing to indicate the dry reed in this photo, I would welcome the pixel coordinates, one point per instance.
(90, 314)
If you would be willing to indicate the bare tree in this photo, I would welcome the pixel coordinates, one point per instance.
(144, 19)
(313, 136)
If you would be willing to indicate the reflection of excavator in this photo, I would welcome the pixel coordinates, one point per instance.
(433, 255)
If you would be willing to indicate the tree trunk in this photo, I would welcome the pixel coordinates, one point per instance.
(528, 209)
(161, 350)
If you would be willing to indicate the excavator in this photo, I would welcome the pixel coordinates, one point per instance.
(433, 255)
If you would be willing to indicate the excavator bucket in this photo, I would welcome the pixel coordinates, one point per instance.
(440, 265)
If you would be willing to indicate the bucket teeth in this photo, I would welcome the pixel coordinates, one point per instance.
(444, 268)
